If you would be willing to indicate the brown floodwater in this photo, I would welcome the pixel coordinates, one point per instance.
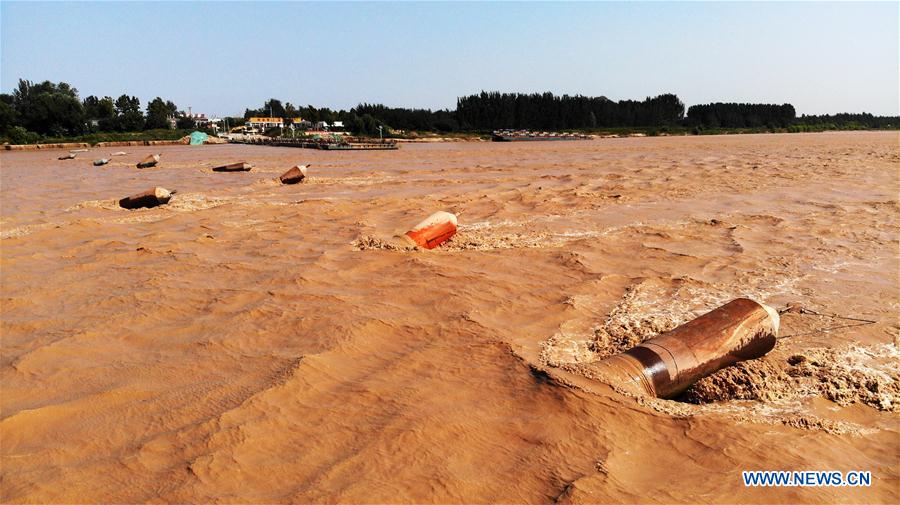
(251, 342)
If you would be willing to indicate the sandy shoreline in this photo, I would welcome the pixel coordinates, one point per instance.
(252, 342)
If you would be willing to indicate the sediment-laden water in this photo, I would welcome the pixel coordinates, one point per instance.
(253, 342)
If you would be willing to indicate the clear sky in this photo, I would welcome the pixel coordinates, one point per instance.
(222, 57)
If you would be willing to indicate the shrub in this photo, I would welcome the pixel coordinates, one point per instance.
(19, 135)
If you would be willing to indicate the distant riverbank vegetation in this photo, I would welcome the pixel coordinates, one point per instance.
(546, 111)
(53, 112)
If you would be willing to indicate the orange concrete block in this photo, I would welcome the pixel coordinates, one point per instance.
(294, 175)
(433, 231)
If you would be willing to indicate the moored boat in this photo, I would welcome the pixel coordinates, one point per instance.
(525, 135)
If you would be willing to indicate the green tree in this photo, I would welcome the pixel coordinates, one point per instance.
(101, 110)
(8, 115)
(48, 108)
(274, 107)
(185, 123)
(128, 114)
(158, 113)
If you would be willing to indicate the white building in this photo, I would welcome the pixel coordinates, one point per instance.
(324, 126)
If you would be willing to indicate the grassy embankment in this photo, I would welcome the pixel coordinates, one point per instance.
(650, 131)
(94, 138)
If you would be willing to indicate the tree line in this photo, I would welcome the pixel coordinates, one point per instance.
(55, 110)
(741, 115)
(364, 119)
(489, 111)
(546, 111)
(863, 120)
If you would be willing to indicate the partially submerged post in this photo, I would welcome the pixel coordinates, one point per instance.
(149, 161)
(147, 199)
(234, 167)
(101, 162)
(666, 365)
(294, 175)
(433, 231)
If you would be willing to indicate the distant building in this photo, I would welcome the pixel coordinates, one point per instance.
(324, 126)
(301, 123)
(215, 124)
(264, 123)
(200, 120)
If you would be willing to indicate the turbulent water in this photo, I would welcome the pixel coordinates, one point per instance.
(253, 342)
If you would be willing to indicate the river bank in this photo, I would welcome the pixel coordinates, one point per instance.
(170, 137)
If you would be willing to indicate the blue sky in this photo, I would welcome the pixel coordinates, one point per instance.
(222, 57)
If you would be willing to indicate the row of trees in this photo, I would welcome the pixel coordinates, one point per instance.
(487, 111)
(359, 120)
(864, 119)
(545, 111)
(411, 119)
(125, 114)
(54, 109)
(46, 108)
(741, 115)
(490, 111)
(275, 108)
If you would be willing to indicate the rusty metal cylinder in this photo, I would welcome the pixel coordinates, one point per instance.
(147, 199)
(433, 231)
(668, 364)
(294, 175)
(241, 166)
